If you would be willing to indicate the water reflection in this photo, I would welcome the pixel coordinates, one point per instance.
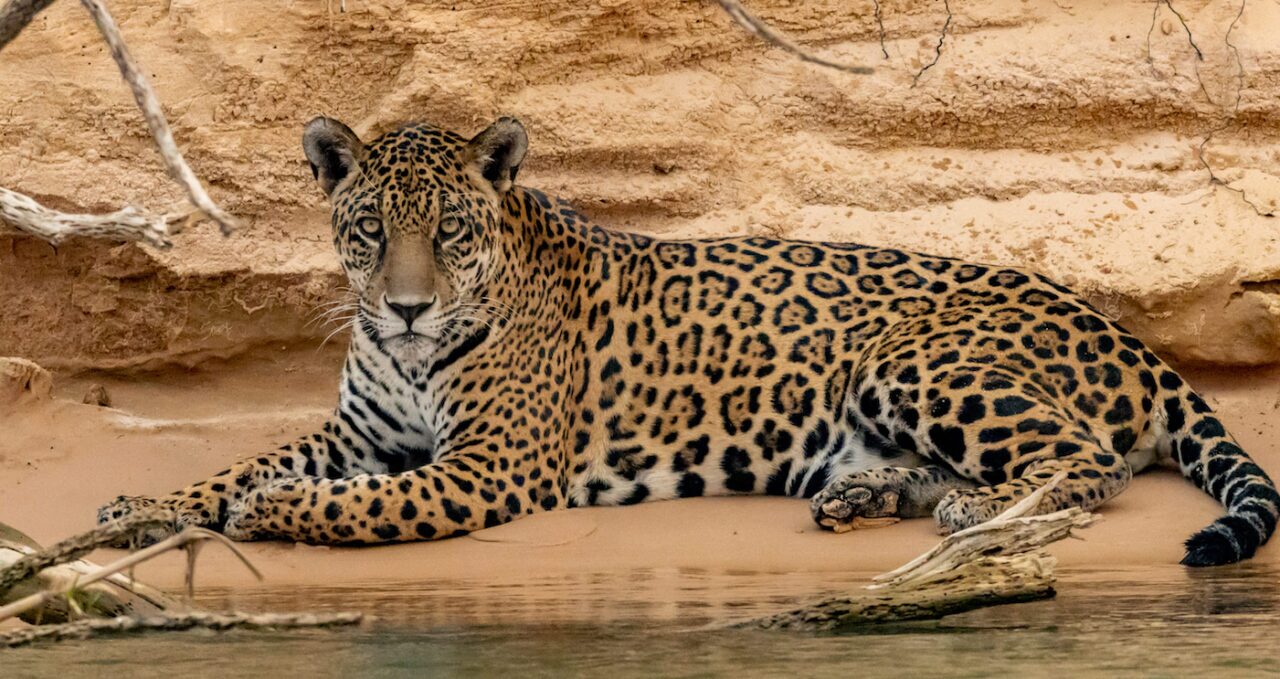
(1147, 622)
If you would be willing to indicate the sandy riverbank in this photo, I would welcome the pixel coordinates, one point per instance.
(60, 459)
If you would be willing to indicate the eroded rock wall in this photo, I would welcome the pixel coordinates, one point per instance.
(1063, 135)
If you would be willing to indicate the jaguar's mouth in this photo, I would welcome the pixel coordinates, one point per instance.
(410, 338)
(410, 347)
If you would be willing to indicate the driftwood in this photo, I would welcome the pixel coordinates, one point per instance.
(129, 224)
(998, 562)
(47, 603)
(182, 621)
(55, 586)
(30, 573)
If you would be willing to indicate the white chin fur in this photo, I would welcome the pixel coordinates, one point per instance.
(410, 348)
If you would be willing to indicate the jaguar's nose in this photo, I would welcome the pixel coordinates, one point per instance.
(409, 311)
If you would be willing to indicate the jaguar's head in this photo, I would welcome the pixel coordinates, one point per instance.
(417, 222)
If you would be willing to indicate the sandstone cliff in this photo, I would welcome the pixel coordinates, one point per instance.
(1062, 135)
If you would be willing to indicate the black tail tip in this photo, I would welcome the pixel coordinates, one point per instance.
(1212, 547)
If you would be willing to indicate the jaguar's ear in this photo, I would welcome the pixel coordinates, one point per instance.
(497, 152)
(333, 150)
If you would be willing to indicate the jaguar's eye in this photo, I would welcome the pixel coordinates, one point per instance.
(370, 226)
(449, 227)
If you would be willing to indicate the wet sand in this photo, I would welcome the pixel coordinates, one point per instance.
(59, 460)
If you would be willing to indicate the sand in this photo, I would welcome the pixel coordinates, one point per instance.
(60, 459)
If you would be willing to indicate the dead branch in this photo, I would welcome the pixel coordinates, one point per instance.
(757, 27)
(880, 28)
(186, 537)
(998, 562)
(125, 224)
(84, 629)
(129, 224)
(977, 584)
(150, 106)
(937, 50)
(28, 569)
(1214, 179)
(75, 547)
(131, 607)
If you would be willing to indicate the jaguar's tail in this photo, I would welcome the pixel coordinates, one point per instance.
(1209, 457)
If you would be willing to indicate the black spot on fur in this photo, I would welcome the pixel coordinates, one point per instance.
(736, 464)
(972, 409)
(948, 440)
(1007, 406)
(691, 485)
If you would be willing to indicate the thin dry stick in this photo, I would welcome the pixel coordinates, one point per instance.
(94, 626)
(150, 105)
(1214, 179)
(75, 547)
(1191, 40)
(181, 539)
(937, 50)
(769, 34)
(880, 27)
(128, 223)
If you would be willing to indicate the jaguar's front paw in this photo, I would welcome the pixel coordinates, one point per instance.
(253, 517)
(125, 506)
(170, 517)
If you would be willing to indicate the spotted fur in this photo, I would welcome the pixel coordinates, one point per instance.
(510, 357)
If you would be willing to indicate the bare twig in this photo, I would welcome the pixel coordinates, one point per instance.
(880, 28)
(174, 542)
(1229, 116)
(94, 626)
(16, 14)
(928, 561)
(1214, 179)
(1155, 14)
(1199, 54)
(79, 591)
(1191, 39)
(150, 105)
(767, 33)
(127, 224)
(937, 51)
(59, 571)
(75, 547)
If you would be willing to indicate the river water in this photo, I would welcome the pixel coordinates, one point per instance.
(1146, 622)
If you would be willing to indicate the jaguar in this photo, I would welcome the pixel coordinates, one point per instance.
(508, 356)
